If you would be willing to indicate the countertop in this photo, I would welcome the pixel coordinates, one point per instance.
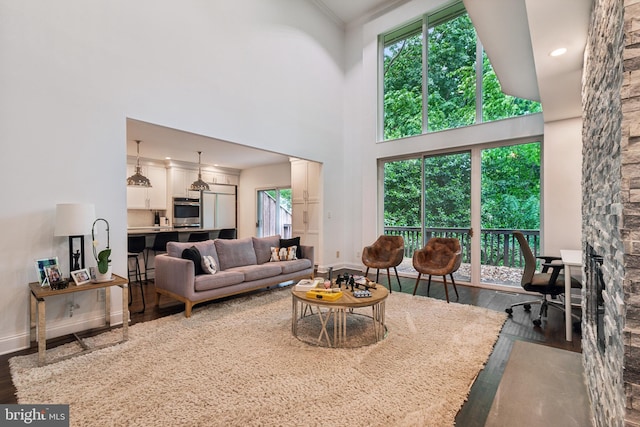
(158, 229)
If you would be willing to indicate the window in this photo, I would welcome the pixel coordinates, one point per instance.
(274, 212)
(443, 68)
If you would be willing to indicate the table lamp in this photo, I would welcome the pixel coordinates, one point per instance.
(74, 220)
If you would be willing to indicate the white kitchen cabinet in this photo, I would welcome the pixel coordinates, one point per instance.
(306, 201)
(181, 180)
(154, 197)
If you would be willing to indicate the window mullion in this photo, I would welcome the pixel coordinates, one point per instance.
(425, 74)
(479, 66)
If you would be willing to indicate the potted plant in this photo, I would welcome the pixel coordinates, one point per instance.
(103, 272)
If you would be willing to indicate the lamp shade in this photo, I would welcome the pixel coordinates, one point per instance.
(74, 219)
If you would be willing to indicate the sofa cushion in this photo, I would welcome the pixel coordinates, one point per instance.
(295, 241)
(235, 253)
(262, 247)
(256, 272)
(192, 253)
(295, 265)
(206, 247)
(206, 282)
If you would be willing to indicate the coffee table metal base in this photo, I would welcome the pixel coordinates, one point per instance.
(338, 313)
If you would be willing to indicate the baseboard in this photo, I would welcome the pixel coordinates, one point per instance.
(77, 323)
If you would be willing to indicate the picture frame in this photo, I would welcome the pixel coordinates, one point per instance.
(42, 265)
(53, 274)
(80, 277)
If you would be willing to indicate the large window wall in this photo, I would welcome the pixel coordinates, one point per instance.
(438, 58)
(431, 196)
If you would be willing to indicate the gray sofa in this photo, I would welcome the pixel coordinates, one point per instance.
(242, 265)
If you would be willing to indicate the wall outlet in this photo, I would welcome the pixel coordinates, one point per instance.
(357, 254)
(101, 295)
(337, 254)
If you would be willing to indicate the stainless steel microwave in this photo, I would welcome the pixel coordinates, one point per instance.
(186, 212)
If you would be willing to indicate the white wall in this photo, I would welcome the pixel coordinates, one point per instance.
(267, 74)
(252, 180)
(562, 180)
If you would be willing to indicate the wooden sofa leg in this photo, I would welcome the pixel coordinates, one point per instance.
(187, 309)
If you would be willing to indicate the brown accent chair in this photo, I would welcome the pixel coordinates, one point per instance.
(385, 252)
(439, 257)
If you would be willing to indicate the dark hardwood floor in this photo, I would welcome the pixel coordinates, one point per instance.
(474, 411)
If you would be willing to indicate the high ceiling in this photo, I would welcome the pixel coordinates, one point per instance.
(518, 36)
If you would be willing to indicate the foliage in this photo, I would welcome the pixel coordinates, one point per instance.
(451, 83)
(510, 184)
(510, 189)
(103, 260)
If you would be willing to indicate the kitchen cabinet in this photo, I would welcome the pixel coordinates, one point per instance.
(181, 180)
(154, 197)
(306, 201)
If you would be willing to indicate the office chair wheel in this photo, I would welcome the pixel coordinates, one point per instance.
(537, 322)
(527, 307)
(509, 311)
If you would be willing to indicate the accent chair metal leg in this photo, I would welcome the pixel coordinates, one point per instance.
(417, 283)
(398, 277)
(454, 286)
(446, 291)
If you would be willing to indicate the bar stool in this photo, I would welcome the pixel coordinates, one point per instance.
(135, 247)
(159, 245)
(227, 233)
(199, 236)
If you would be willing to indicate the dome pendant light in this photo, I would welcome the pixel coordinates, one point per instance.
(199, 185)
(137, 179)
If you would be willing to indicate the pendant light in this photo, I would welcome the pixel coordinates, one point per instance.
(137, 179)
(199, 185)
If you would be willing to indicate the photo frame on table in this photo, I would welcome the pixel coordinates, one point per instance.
(41, 268)
(80, 277)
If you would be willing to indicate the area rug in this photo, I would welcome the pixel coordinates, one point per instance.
(236, 363)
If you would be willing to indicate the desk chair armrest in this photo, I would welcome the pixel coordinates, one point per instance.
(548, 258)
(557, 268)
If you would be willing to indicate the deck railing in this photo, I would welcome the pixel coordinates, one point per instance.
(498, 246)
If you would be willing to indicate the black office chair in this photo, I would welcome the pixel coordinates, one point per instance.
(227, 233)
(135, 247)
(159, 246)
(549, 284)
(199, 236)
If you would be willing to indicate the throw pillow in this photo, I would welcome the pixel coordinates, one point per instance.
(288, 253)
(286, 243)
(193, 254)
(275, 254)
(209, 264)
(283, 254)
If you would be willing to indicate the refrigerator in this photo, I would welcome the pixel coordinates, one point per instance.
(218, 207)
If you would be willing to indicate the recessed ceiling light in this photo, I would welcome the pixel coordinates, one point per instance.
(558, 52)
(167, 158)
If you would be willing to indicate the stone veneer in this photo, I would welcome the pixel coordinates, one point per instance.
(611, 207)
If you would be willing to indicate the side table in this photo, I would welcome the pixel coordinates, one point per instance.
(39, 295)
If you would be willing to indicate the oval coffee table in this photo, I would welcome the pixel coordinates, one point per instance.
(337, 311)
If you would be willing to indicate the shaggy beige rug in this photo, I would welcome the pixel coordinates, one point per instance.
(236, 364)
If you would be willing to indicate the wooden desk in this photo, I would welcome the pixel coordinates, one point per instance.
(570, 258)
(39, 295)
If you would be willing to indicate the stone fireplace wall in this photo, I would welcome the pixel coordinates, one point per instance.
(611, 208)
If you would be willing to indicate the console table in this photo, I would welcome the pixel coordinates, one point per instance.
(39, 295)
